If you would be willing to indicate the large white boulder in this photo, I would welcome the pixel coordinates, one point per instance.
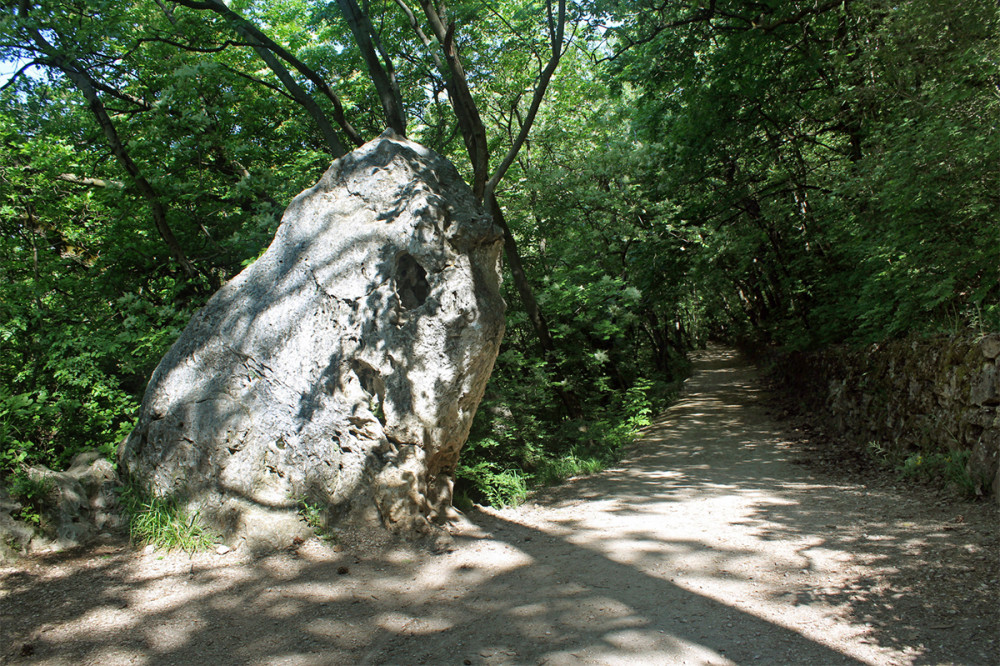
(343, 368)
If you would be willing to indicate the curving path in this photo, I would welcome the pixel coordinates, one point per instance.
(707, 545)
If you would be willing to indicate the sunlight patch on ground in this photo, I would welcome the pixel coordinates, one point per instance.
(96, 622)
(412, 625)
(112, 656)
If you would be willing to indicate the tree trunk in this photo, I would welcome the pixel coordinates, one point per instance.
(382, 77)
(541, 327)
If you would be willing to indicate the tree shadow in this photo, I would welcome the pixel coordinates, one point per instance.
(628, 579)
(539, 599)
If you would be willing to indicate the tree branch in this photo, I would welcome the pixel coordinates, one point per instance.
(796, 17)
(190, 47)
(86, 85)
(13, 77)
(91, 182)
(382, 77)
(250, 31)
(536, 100)
(466, 111)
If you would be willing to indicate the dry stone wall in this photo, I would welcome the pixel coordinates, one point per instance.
(919, 395)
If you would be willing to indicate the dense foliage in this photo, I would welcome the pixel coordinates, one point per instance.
(794, 172)
(840, 159)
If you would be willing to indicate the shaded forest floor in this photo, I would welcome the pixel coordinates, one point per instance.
(711, 543)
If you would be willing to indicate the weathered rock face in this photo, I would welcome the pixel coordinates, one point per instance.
(79, 505)
(344, 366)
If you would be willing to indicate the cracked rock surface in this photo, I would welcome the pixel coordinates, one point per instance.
(343, 368)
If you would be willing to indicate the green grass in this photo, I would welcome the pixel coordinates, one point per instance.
(312, 515)
(160, 522)
(502, 467)
(948, 468)
(492, 486)
(490, 483)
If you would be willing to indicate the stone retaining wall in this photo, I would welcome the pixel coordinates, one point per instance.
(919, 395)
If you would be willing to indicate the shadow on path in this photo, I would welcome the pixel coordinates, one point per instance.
(706, 546)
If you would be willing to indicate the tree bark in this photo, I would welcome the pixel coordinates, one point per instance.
(382, 76)
(91, 182)
(464, 104)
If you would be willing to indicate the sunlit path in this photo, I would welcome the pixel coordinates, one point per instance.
(706, 545)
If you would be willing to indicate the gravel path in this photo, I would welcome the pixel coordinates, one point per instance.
(707, 545)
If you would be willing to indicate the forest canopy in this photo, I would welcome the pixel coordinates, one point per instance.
(797, 172)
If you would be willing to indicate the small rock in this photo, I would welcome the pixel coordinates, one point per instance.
(223, 549)
(990, 347)
(149, 550)
(342, 571)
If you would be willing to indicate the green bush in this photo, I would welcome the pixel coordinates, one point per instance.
(32, 492)
(518, 444)
(942, 468)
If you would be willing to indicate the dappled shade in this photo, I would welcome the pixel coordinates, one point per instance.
(342, 368)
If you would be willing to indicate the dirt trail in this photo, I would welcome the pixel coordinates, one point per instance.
(707, 545)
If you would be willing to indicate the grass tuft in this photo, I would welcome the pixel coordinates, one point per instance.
(314, 515)
(160, 522)
(941, 468)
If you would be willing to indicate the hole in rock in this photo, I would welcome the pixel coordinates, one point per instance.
(411, 282)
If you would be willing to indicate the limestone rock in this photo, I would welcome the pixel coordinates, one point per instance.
(990, 346)
(79, 505)
(343, 367)
(985, 386)
(83, 500)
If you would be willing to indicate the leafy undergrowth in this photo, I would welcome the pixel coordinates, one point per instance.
(949, 470)
(515, 446)
(32, 492)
